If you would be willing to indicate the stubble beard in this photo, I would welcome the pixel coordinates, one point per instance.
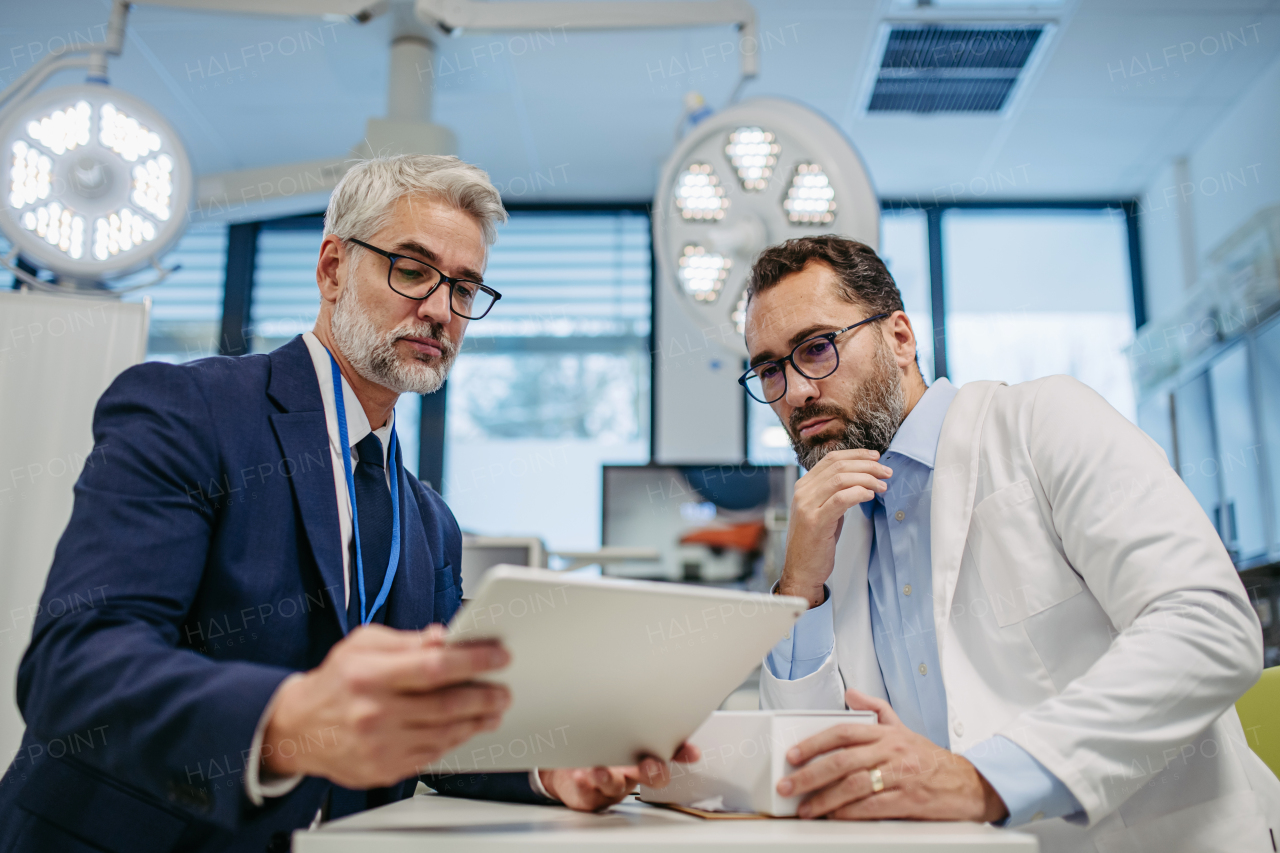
(871, 420)
(372, 351)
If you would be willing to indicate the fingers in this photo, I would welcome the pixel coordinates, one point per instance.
(423, 669)
(430, 743)
(687, 754)
(849, 789)
(837, 456)
(830, 768)
(862, 702)
(433, 635)
(845, 734)
(849, 461)
(651, 772)
(612, 783)
(449, 705)
(592, 788)
(883, 806)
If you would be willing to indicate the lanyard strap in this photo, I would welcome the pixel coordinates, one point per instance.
(394, 562)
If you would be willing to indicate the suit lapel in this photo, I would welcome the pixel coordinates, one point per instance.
(304, 441)
(410, 604)
(955, 482)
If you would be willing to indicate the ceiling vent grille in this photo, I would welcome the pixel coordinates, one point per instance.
(931, 68)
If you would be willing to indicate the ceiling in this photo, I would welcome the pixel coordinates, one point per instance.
(557, 115)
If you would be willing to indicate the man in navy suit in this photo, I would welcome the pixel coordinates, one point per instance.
(264, 647)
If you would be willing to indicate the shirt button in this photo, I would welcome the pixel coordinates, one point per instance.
(924, 670)
(958, 728)
(1037, 816)
(899, 515)
(906, 590)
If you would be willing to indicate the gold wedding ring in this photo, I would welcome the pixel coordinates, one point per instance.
(877, 781)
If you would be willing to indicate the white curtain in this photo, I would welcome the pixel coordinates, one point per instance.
(57, 355)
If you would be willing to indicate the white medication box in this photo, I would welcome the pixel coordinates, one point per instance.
(744, 755)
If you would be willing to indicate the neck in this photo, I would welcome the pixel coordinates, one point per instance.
(913, 389)
(377, 401)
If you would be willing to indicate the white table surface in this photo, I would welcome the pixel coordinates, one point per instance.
(443, 824)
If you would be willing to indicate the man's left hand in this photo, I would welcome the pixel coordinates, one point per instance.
(590, 789)
(921, 780)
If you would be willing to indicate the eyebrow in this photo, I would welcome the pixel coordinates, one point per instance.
(434, 259)
(802, 335)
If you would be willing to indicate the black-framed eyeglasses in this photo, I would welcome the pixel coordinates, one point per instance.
(415, 279)
(813, 358)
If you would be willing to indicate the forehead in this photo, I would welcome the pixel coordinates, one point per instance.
(448, 232)
(801, 300)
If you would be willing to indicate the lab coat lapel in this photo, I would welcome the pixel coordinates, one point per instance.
(304, 441)
(851, 606)
(955, 482)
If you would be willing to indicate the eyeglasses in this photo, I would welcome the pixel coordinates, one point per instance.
(812, 358)
(417, 279)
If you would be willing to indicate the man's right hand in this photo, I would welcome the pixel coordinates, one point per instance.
(382, 705)
(842, 479)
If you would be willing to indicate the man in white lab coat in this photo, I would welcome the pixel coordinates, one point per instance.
(1013, 577)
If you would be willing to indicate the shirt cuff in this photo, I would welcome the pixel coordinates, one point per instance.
(807, 645)
(260, 783)
(535, 782)
(1030, 792)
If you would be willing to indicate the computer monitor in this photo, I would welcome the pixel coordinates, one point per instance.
(655, 506)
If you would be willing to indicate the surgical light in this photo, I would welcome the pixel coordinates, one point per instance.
(702, 273)
(793, 167)
(810, 199)
(753, 153)
(97, 182)
(699, 194)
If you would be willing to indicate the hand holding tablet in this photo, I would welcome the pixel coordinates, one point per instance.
(606, 671)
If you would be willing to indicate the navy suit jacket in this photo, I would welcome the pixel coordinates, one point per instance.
(201, 566)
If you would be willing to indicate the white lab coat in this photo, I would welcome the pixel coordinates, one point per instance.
(1071, 573)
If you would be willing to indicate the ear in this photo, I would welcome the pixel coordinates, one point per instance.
(331, 268)
(901, 338)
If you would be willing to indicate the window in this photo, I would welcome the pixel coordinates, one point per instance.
(286, 300)
(186, 308)
(6, 277)
(904, 248)
(1031, 293)
(286, 303)
(554, 383)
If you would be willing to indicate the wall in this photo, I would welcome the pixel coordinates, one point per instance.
(1231, 174)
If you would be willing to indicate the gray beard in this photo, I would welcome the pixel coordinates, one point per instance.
(372, 351)
(874, 415)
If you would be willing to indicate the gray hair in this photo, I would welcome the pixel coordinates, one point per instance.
(364, 199)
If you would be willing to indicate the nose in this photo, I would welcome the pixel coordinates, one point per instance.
(436, 306)
(800, 388)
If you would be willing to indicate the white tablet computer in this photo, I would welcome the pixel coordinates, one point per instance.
(605, 670)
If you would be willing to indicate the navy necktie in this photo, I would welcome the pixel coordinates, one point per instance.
(373, 505)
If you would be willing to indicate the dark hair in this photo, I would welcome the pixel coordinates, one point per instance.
(864, 279)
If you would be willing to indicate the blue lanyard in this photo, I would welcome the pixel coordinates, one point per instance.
(394, 562)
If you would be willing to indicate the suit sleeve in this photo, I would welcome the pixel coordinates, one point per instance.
(140, 532)
(1189, 643)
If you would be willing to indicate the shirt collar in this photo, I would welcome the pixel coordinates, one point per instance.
(357, 422)
(918, 436)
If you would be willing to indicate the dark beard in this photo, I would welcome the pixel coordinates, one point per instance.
(874, 415)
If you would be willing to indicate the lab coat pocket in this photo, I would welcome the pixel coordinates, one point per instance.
(1017, 555)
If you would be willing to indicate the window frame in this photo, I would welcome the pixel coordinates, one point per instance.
(934, 212)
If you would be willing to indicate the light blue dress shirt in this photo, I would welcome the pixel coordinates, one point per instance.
(900, 580)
